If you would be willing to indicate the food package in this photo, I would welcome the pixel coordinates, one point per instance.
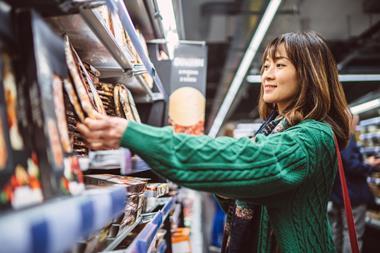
(74, 114)
(134, 185)
(81, 96)
(20, 183)
(135, 193)
(124, 104)
(45, 75)
(84, 87)
(105, 91)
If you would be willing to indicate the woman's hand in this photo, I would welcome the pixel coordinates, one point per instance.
(103, 132)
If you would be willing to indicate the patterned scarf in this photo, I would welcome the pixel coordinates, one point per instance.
(243, 217)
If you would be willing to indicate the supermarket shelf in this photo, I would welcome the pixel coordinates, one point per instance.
(57, 225)
(375, 223)
(88, 35)
(147, 15)
(105, 161)
(116, 241)
(369, 136)
(105, 36)
(162, 247)
(50, 8)
(145, 238)
(370, 150)
(130, 29)
(167, 208)
(373, 180)
(372, 121)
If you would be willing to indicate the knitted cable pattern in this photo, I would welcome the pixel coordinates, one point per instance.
(290, 172)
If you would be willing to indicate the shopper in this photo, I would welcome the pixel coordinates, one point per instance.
(281, 180)
(356, 171)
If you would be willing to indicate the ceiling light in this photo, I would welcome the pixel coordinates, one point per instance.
(357, 109)
(253, 79)
(250, 53)
(359, 78)
(342, 78)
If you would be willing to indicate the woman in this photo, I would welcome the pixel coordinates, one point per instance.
(280, 181)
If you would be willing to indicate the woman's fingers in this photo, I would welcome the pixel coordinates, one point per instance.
(83, 129)
(89, 134)
(96, 145)
(97, 124)
(99, 115)
(104, 132)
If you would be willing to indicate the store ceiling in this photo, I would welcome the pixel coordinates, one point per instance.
(351, 28)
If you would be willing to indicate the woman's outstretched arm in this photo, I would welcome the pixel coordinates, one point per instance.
(228, 166)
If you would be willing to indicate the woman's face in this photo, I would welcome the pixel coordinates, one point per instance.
(279, 80)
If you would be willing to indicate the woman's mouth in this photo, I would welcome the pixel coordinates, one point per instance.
(269, 87)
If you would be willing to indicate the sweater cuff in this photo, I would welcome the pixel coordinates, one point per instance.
(141, 138)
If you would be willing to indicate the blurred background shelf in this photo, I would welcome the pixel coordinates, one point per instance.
(370, 150)
(371, 121)
(375, 223)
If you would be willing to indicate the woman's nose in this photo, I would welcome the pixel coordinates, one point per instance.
(269, 73)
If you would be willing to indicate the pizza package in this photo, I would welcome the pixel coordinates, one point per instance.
(20, 183)
(46, 77)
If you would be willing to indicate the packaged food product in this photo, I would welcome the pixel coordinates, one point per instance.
(20, 184)
(45, 71)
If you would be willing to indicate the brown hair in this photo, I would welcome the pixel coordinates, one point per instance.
(321, 96)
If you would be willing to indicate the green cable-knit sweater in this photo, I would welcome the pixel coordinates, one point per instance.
(290, 173)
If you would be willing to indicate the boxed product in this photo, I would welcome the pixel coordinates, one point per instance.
(135, 193)
(84, 86)
(19, 172)
(74, 114)
(105, 91)
(124, 104)
(134, 185)
(45, 73)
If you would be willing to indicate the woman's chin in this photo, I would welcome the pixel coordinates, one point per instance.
(268, 100)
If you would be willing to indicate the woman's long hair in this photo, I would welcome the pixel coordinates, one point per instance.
(321, 96)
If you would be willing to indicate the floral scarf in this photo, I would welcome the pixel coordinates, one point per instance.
(243, 217)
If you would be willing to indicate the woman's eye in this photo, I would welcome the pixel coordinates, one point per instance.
(280, 65)
(265, 67)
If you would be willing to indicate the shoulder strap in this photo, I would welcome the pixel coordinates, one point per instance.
(346, 201)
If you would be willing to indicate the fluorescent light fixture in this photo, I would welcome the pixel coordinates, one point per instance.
(342, 78)
(365, 106)
(250, 53)
(168, 20)
(253, 79)
(359, 78)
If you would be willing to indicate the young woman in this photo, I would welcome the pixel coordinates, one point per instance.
(275, 186)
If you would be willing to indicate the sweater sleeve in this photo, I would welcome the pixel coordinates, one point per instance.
(236, 168)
